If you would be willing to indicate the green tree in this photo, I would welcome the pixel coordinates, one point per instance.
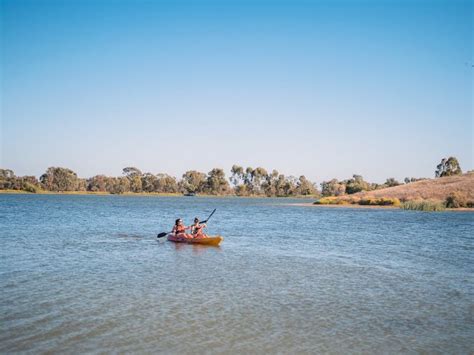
(166, 184)
(131, 171)
(333, 188)
(27, 183)
(356, 184)
(412, 179)
(193, 181)
(237, 176)
(269, 186)
(7, 179)
(135, 183)
(97, 183)
(217, 183)
(81, 184)
(448, 167)
(148, 182)
(118, 185)
(305, 187)
(253, 179)
(134, 176)
(258, 175)
(391, 182)
(59, 179)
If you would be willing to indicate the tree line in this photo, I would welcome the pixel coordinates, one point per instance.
(248, 182)
(242, 182)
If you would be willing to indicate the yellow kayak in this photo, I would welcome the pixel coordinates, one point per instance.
(210, 240)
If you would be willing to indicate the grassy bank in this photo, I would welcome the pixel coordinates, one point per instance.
(450, 192)
(428, 205)
(383, 201)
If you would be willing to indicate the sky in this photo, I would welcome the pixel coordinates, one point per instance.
(325, 89)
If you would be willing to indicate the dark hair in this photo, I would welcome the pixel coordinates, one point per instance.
(196, 219)
(177, 221)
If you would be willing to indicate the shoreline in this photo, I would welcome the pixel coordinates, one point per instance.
(159, 194)
(460, 209)
(147, 194)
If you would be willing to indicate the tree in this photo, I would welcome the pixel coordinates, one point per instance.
(237, 175)
(305, 187)
(97, 183)
(135, 183)
(217, 183)
(118, 185)
(81, 184)
(59, 179)
(258, 175)
(148, 182)
(412, 179)
(270, 183)
(6, 174)
(193, 181)
(356, 184)
(27, 183)
(131, 171)
(166, 184)
(332, 188)
(448, 167)
(252, 178)
(391, 182)
(134, 176)
(280, 186)
(7, 179)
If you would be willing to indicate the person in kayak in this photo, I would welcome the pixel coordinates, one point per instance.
(179, 229)
(196, 229)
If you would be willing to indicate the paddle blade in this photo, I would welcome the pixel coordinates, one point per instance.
(161, 235)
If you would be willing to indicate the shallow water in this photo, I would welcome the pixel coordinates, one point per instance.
(87, 274)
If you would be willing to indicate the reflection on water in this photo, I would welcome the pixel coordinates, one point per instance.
(87, 274)
(196, 248)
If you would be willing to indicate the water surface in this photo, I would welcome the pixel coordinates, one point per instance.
(86, 273)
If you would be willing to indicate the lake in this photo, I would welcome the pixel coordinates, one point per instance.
(87, 274)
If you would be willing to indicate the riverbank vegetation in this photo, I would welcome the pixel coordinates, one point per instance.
(424, 205)
(243, 182)
(450, 187)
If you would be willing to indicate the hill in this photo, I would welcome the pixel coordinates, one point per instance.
(429, 189)
(427, 195)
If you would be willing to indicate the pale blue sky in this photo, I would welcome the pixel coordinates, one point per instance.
(320, 88)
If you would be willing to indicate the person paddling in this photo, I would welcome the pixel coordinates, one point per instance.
(179, 229)
(197, 229)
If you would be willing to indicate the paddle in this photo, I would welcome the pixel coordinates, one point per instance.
(208, 218)
(163, 234)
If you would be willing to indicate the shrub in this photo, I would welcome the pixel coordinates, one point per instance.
(423, 205)
(30, 187)
(332, 200)
(456, 200)
(383, 201)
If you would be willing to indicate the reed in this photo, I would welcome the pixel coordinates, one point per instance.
(423, 205)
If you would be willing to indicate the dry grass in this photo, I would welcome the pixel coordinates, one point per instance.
(425, 195)
(432, 189)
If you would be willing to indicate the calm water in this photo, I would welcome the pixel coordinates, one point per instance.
(86, 274)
